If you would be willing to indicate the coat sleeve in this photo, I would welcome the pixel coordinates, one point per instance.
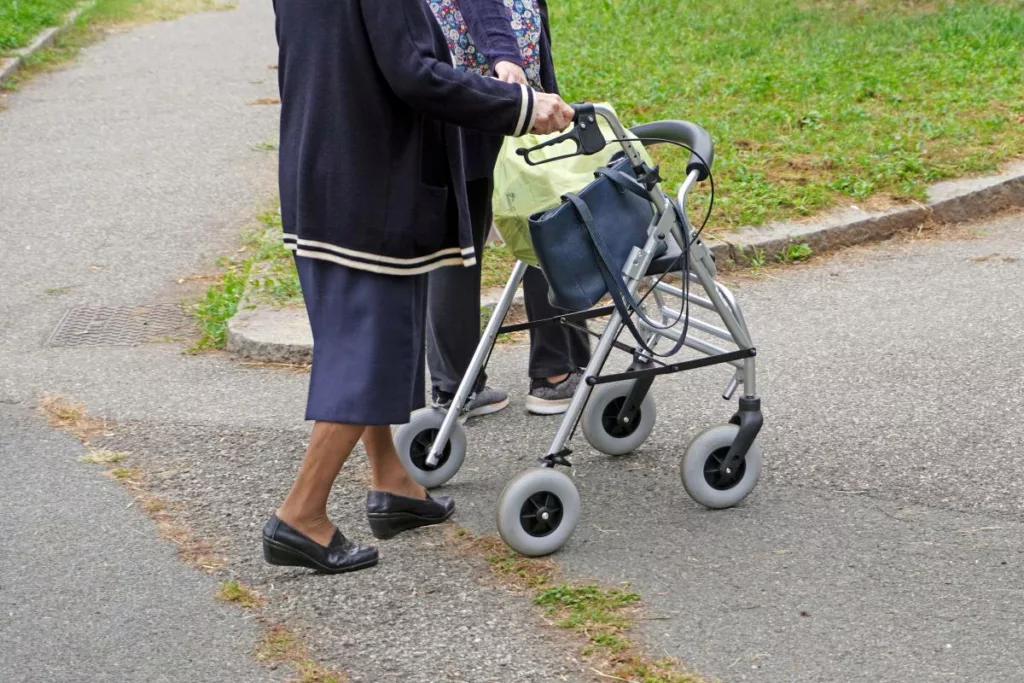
(491, 29)
(402, 37)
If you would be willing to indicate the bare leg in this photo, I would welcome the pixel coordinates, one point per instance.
(385, 467)
(305, 508)
(555, 379)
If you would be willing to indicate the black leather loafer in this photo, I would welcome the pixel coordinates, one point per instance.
(390, 515)
(288, 547)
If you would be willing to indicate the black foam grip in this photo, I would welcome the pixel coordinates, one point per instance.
(689, 134)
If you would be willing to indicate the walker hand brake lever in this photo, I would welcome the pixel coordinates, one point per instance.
(585, 133)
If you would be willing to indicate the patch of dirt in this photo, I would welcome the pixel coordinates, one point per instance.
(71, 417)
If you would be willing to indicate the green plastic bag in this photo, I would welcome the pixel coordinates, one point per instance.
(521, 190)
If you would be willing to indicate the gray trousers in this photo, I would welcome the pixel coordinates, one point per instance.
(453, 313)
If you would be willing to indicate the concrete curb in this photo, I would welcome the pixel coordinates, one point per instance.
(282, 335)
(10, 65)
(269, 334)
(489, 300)
(948, 202)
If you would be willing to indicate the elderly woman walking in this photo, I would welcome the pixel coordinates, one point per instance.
(509, 40)
(373, 196)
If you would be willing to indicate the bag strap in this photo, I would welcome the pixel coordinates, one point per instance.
(624, 301)
(625, 182)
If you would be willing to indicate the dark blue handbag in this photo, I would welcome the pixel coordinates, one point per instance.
(583, 244)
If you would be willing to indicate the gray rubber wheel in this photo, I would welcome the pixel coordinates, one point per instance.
(700, 472)
(414, 439)
(538, 512)
(600, 419)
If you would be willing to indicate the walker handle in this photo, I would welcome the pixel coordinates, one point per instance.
(584, 132)
(687, 133)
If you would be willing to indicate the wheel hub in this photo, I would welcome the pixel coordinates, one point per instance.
(419, 450)
(541, 514)
(719, 477)
(611, 423)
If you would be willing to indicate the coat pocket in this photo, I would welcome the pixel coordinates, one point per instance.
(418, 224)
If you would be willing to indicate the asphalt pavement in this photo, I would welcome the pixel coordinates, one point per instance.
(125, 175)
(883, 543)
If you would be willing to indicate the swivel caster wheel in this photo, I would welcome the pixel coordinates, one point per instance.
(414, 440)
(701, 468)
(538, 512)
(601, 425)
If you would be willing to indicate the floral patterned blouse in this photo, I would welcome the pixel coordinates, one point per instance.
(525, 19)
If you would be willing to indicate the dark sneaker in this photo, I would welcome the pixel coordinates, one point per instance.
(552, 399)
(484, 402)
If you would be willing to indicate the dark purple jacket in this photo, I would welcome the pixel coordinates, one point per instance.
(371, 157)
(492, 33)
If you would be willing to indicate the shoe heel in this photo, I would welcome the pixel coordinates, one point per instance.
(389, 527)
(281, 556)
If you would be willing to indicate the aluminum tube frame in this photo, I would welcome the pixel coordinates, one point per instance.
(615, 324)
(671, 314)
(476, 364)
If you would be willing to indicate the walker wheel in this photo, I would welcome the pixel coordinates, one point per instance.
(601, 425)
(414, 440)
(701, 468)
(538, 511)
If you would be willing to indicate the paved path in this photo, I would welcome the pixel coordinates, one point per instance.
(886, 540)
(122, 175)
(87, 590)
(889, 515)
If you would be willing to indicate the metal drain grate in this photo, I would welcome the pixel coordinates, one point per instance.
(124, 326)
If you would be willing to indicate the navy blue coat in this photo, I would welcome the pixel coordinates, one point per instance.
(371, 149)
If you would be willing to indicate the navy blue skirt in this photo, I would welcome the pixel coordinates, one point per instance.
(368, 353)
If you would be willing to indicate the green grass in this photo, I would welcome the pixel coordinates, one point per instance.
(795, 252)
(583, 607)
(264, 273)
(496, 266)
(811, 103)
(603, 615)
(264, 265)
(240, 594)
(21, 20)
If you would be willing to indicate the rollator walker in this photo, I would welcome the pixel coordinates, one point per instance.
(539, 509)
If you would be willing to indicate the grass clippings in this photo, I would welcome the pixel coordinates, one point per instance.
(279, 645)
(125, 473)
(513, 570)
(71, 417)
(291, 368)
(993, 258)
(238, 593)
(601, 618)
(102, 456)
